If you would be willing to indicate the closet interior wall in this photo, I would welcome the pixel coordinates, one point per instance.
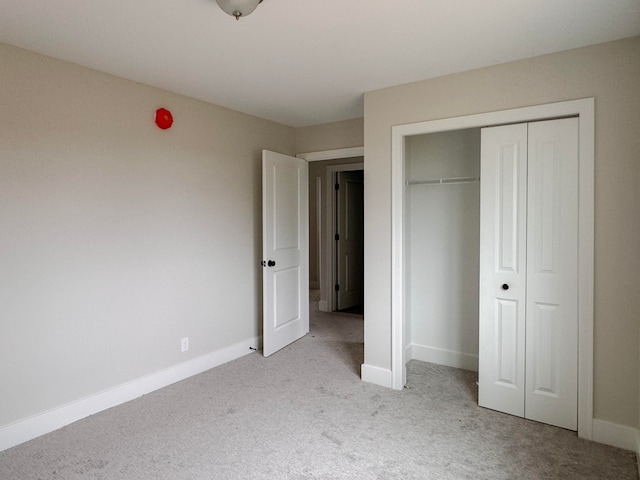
(443, 202)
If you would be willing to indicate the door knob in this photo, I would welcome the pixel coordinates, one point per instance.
(271, 263)
(505, 286)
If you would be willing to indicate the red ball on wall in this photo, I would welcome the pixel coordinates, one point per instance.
(164, 119)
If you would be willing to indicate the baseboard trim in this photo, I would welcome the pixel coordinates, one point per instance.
(444, 357)
(377, 375)
(616, 435)
(30, 428)
(408, 353)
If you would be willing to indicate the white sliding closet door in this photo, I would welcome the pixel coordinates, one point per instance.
(503, 249)
(552, 274)
(529, 271)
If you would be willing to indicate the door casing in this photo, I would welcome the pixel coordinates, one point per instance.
(584, 109)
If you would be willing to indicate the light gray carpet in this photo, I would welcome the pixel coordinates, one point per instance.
(304, 414)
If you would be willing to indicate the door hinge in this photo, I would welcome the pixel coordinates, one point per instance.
(337, 237)
(337, 287)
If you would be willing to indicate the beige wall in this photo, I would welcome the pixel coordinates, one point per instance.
(330, 136)
(609, 72)
(118, 238)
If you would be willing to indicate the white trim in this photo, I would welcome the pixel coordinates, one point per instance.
(585, 110)
(332, 154)
(616, 435)
(330, 264)
(586, 228)
(30, 428)
(408, 353)
(376, 375)
(398, 294)
(443, 357)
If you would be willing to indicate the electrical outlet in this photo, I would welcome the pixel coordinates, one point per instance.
(184, 344)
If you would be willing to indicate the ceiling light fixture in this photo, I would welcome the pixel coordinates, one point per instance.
(238, 8)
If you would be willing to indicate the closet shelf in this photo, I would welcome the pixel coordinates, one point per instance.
(444, 181)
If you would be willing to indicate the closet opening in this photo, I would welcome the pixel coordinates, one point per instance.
(442, 220)
(454, 185)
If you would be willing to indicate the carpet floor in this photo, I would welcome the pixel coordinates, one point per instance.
(303, 413)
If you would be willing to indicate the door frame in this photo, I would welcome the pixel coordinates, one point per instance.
(584, 109)
(329, 304)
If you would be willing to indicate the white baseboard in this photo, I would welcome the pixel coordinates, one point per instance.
(616, 435)
(408, 353)
(443, 357)
(30, 428)
(377, 375)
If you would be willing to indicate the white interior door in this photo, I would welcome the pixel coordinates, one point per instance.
(285, 249)
(503, 249)
(552, 274)
(529, 271)
(350, 239)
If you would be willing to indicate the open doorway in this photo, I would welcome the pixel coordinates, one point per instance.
(337, 316)
(333, 258)
(348, 251)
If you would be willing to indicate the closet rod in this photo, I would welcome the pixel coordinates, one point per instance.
(444, 181)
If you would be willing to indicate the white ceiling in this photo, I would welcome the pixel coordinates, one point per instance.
(305, 62)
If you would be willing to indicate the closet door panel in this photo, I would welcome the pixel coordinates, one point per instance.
(552, 273)
(501, 378)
